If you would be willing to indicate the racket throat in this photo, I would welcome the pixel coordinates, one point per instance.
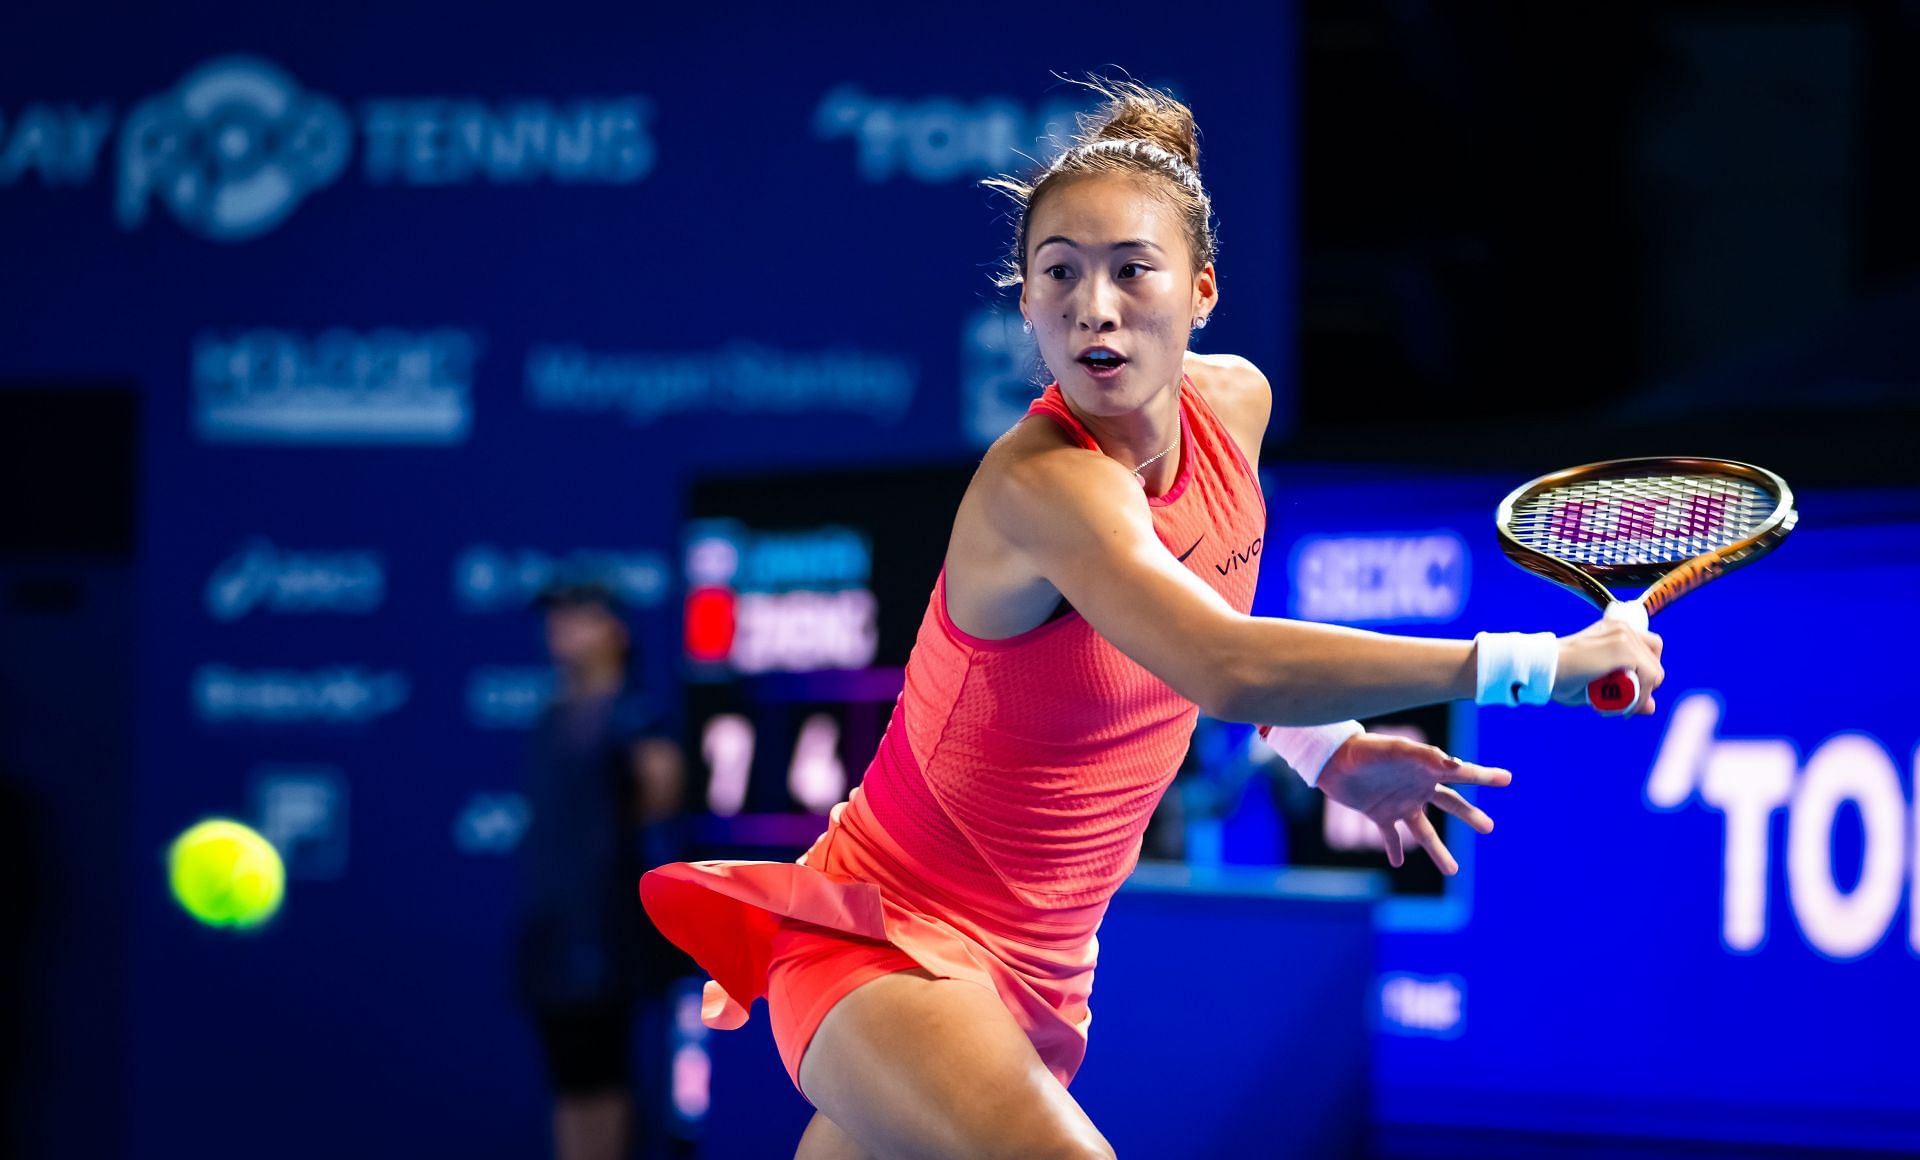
(1632, 613)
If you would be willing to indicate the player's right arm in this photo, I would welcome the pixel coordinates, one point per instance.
(1076, 522)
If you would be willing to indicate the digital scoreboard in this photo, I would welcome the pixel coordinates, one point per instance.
(803, 597)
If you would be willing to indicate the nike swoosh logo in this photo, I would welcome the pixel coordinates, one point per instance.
(1182, 557)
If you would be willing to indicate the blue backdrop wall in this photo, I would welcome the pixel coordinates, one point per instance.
(425, 301)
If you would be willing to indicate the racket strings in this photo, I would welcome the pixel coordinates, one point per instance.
(1641, 520)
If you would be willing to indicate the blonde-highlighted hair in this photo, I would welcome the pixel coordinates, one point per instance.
(1136, 130)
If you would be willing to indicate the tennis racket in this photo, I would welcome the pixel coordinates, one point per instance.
(1668, 524)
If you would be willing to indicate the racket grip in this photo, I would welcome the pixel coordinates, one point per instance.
(1614, 693)
(1619, 690)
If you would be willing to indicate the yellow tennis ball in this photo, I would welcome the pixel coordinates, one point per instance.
(225, 874)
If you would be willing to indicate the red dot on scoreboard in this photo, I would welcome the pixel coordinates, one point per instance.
(710, 624)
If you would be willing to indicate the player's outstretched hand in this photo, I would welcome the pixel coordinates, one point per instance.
(1392, 780)
(1604, 647)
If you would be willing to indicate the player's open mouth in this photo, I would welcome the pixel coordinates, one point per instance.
(1101, 363)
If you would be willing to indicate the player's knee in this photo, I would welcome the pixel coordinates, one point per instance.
(1063, 1144)
(1083, 1150)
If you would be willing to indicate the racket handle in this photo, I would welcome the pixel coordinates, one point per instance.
(1619, 690)
(1614, 693)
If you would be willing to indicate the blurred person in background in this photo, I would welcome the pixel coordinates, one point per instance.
(605, 782)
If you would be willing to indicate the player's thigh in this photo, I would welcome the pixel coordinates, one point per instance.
(913, 1066)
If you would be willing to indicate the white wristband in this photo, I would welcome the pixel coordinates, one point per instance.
(1516, 668)
(1307, 748)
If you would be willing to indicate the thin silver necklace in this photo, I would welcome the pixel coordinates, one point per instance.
(1149, 463)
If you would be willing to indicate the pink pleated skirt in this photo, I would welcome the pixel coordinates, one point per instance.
(855, 907)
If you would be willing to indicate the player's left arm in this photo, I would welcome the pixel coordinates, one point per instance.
(1390, 780)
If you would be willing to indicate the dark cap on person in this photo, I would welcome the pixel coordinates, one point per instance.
(570, 593)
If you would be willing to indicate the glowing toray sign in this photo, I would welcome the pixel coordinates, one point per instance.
(1747, 780)
(939, 139)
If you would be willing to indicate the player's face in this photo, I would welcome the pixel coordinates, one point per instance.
(1111, 291)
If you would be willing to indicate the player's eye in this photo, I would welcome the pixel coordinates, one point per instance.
(1132, 270)
(1057, 273)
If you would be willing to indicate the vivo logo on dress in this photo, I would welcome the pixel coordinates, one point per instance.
(1246, 555)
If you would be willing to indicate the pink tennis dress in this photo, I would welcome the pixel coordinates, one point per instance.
(1003, 810)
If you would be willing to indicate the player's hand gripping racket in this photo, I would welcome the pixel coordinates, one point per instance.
(1669, 524)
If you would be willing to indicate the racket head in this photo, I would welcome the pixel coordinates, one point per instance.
(1680, 519)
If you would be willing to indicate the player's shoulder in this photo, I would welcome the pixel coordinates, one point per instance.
(1037, 472)
(1038, 454)
(1236, 390)
(1230, 380)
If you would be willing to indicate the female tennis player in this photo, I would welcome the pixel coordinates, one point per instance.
(927, 964)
